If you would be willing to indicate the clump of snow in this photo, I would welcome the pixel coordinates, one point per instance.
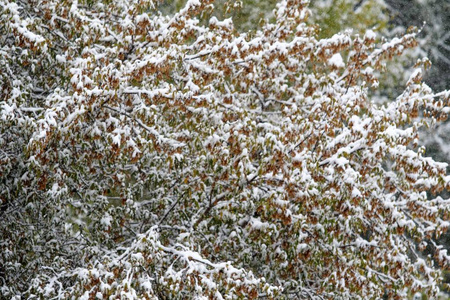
(336, 61)
(106, 220)
(370, 35)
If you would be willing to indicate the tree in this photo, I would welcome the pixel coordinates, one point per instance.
(434, 17)
(339, 15)
(434, 41)
(330, 17)
(153, 156)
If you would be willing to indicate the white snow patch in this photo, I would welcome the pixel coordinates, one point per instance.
(336, 61)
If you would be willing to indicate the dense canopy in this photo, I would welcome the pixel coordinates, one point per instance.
(148, 156)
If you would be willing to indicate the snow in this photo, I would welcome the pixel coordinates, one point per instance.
(336, 61)
(301, 163)
(370, 35)
(257, 224)
(106, 220)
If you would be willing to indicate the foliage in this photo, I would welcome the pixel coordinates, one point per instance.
(153, 156)
(434, 17)
(434, 42)
(335, 16)
(247, 15)
(331, 16)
